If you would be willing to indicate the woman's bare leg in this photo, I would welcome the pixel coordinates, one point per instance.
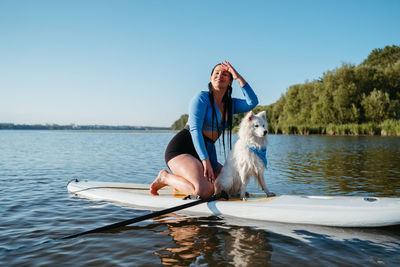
(186, 177)
(165, 178)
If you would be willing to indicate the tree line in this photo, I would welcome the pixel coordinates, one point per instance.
(11, 126)
(350, 99)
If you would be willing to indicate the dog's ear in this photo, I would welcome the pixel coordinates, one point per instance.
(263, 114)
(250, 115)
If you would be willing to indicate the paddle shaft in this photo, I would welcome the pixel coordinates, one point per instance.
(147, 216)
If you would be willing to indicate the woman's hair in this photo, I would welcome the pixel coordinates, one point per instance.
(227, 110)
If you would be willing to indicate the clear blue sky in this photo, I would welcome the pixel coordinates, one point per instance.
(140, 62)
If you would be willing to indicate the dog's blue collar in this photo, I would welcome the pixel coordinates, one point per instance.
(261, 153)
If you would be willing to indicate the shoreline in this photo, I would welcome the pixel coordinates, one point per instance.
(386, 128)
(167, 131)
(72, 127)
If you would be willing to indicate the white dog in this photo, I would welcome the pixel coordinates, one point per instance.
(247, 158)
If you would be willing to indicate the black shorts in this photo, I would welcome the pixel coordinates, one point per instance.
(182, 143)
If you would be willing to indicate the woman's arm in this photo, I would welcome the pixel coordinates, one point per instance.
(250, 101)
(197, 111)
(247, 104)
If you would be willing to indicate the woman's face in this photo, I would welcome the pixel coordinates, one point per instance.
(220, 78)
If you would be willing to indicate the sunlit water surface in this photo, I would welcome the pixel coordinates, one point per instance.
(35, 167)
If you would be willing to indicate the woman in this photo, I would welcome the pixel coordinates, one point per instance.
(191, 154)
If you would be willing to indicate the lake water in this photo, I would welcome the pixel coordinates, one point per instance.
(35, 167)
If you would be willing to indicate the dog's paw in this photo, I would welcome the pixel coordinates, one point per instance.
(243, 198)
(270, 194)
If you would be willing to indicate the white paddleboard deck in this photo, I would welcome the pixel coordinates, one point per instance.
(341, 211)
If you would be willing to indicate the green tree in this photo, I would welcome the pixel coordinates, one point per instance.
(382, 57)
(180, 123)
(376, 106)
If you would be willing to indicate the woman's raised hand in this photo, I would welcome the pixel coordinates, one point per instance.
(228, 67)
(235, 74)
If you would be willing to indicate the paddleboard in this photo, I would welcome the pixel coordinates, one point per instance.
(339, 211)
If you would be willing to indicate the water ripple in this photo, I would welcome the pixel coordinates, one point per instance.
(35, 167)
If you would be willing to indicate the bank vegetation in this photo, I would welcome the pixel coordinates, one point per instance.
(349, 100)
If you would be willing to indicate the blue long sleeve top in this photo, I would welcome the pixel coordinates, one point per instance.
(201, 115)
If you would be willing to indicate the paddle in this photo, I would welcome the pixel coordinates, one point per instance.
(149, 216)
(127, 222)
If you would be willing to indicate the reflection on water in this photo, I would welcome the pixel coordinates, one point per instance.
(212, 241)
(209, 241)
(340, 165)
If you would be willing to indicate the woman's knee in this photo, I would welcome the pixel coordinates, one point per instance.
(191, 169)
(204, 189)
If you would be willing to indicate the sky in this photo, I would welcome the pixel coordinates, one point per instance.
(140, 62)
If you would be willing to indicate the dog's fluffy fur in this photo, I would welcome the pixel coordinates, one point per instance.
(242, 163)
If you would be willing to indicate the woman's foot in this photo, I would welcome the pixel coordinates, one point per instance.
(158, 183)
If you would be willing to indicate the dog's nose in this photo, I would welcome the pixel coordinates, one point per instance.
(265, 132)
